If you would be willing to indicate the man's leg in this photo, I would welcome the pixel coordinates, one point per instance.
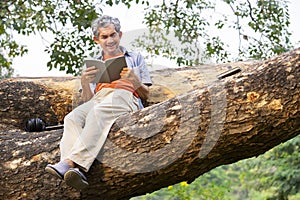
(73, 126)
(110, 104)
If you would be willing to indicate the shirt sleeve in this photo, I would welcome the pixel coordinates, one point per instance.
(143, 70)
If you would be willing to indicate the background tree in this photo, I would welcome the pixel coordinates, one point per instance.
(276, 171)
(67, 20)
(261, 26)
(273, 175)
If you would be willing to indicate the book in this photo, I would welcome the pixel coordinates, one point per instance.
(109, 70)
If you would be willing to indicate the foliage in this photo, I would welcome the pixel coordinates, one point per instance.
(277, 169)
(204, 188)
(67, 20)
(6, 72)
(261, 28)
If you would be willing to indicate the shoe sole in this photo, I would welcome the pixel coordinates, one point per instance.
(73, 179)
(53, 172)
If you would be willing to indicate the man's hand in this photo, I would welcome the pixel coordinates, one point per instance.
(129, 75)
(88, 75)
(139, 87)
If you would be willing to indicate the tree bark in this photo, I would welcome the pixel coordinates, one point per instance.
(179, 139)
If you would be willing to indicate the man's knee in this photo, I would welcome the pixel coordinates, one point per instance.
(69, 118)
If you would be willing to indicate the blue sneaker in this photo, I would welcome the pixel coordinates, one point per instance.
(58, 170)
(76, 179)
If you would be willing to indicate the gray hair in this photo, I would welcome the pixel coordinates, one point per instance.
(105, 21)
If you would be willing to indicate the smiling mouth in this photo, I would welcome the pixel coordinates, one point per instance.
(111, 45)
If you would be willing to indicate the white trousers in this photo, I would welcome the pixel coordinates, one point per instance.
(87, 126)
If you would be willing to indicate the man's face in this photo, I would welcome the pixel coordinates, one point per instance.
(109, 40)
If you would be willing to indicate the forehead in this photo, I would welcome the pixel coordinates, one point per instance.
(107, 30)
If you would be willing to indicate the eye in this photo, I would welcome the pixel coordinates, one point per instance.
(104, 37)
(113, 35)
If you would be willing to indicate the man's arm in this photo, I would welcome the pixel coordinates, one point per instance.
(143, 91)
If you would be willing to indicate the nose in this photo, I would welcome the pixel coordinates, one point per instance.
(110, 39)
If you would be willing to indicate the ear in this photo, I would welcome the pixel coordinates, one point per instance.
(120, 34)
(96, 39)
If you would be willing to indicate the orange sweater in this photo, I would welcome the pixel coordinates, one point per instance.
(120, 84)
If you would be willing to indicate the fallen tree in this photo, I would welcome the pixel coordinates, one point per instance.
(193, 130)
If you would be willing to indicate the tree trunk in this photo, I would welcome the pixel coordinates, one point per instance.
(176, 140)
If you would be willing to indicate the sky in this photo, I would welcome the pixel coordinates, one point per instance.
(34, 63)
